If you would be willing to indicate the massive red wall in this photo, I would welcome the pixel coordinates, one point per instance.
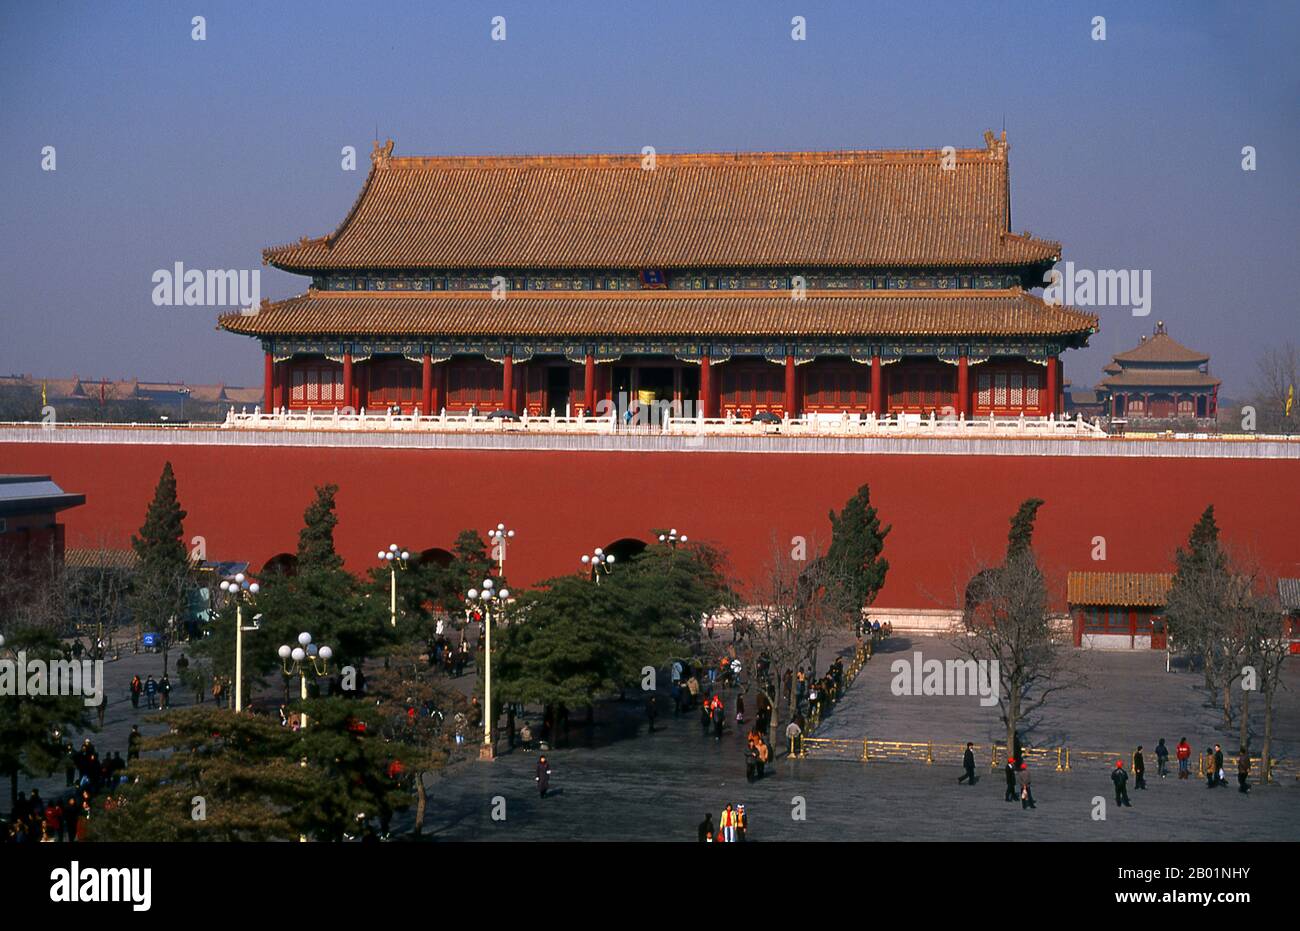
(947, 512)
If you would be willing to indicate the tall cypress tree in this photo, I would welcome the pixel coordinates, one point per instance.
(1020, 539)
(162, 573)
(321, 598)
(1197, 609)
(316, 539)
(857, 540)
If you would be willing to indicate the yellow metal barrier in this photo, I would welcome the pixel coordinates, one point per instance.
(1061, 759)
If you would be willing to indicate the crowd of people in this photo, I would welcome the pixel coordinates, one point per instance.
(66, 815)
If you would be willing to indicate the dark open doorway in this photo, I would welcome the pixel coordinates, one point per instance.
(558, 388)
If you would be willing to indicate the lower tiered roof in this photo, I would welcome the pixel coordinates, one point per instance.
(994, 313)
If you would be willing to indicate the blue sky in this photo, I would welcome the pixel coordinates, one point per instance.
(1127, 150)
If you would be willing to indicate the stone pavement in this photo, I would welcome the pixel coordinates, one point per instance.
(626, 784)
(1128, 699)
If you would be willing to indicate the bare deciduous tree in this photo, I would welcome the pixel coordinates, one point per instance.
(1277, 374)
(797, 605)
(1006, 620)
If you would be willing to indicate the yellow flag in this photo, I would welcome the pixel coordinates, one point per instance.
(42, 394)
(1290, 397)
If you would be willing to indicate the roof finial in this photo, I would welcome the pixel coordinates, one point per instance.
(1160, 328)
(381, 152)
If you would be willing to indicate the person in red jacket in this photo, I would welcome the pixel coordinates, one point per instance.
(1184, 754)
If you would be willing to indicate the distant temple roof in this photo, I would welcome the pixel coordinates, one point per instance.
(88, 389)
(1131, 589)
(1159, 362)
(1007, 312)
(751, 209)
(1162, 347)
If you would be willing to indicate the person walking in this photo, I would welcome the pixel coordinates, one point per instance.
(1211, 774)
(133, 743)
(706, 718)
(1120, 778)
(151, 692)
(1010, 772)
(1218, 766)
(1184, 753)
(136, 688)
(651, 711)
(742, 824)
(727, 822)
(1026, 793)
(968, 764)
(1162, 759)
(543, 777)
(794, 734)
(164, 692)
(1139, 770)
(705, 829)
(1243, 772)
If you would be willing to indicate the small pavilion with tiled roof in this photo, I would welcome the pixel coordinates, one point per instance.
(1161, 379)
(869, 282)
(1119, 610)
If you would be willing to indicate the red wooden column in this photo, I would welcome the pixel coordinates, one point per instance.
(349, 396)
(508, 381)
(791, 388)
(268, 394)
(963, 386)
(282, 384)
(706, 387)
(877, 386)
(426, 385)
(440, 386)
(589, 385)
(1053, 384)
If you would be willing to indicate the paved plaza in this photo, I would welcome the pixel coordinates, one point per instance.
(615, 781)
(631, 785)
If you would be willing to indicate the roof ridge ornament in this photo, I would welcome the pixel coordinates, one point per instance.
(381, 153)
(997, 146)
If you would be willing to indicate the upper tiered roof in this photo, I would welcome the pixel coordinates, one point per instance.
(898, 208)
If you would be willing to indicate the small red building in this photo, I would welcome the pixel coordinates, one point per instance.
(31, 537)
(1119, 610)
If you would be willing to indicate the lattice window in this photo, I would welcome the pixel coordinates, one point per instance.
(984, 397)
(999, 389)
(1017, 390)
(1031, 389)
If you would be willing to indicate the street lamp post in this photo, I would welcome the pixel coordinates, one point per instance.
(491, 602)
(497, 538)
(672, 538)
(241, 589)
(297, 661)
(598, 560)
(396, 559)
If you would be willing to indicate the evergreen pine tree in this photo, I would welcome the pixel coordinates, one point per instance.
(854, 555)
(161, 584)
(1021, 537)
